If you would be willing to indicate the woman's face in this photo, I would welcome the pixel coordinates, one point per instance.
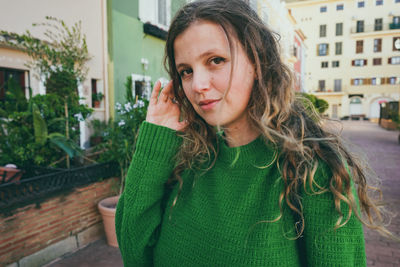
(203, 60)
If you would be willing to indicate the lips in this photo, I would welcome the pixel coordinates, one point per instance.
(208, 103)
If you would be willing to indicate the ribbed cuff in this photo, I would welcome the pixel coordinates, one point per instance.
(157, 143)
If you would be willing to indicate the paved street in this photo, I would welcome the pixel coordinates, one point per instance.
(383, 151)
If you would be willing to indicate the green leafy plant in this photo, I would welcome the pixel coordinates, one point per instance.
(61, 60)
(119, 137)
(320, 105)
(97, 97)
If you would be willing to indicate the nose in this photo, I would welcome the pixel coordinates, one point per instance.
(201, 81)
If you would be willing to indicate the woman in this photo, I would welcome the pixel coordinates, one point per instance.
(230, 169)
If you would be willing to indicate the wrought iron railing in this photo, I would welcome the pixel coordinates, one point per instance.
(35, 189)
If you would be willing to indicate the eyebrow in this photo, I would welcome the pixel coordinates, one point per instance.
(205, 54)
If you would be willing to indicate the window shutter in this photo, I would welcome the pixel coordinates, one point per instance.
(389, 60)
(353, 62)
(327, 49)
(365, 62)
(352, 81)
(317, 50)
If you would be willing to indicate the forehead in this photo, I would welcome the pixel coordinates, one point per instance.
(200, 37)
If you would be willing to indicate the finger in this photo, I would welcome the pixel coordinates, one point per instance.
(163, 96)
(168, 89)
(156, 91)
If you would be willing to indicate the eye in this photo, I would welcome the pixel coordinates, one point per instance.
(217, 60)
(183, 73)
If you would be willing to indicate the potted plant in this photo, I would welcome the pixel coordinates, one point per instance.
(119, 145)
(9, 173)
(96, 99)
(99, 128)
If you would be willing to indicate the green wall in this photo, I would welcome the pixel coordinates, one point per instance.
(128, 45)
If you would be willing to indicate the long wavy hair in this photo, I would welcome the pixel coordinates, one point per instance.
(276, 112)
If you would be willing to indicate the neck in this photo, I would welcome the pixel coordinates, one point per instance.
(236, 136)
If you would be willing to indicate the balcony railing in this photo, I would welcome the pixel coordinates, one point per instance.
(375, 28)
(35, 189)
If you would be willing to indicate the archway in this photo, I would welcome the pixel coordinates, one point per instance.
(374, 108)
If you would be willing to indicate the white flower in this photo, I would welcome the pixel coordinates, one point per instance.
(139, 104)
(118, 106)
(79, 116)
(128, 106)
(121, 123)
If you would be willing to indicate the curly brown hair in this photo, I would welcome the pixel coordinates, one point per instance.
(277, 113)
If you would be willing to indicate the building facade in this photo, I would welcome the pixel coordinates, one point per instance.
(354, 57)
(291, 38)
(136, 36)
(18, 16)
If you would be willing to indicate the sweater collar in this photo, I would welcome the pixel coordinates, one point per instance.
(258, 152)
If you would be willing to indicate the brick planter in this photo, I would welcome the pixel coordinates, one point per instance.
(388, 124)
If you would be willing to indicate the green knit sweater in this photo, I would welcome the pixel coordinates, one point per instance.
(226, 216)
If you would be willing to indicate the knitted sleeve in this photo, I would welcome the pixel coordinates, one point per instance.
(323, 245)
(139, 210)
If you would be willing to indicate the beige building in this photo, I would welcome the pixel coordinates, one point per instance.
(19, 16)
(291, 38)
(354, 53)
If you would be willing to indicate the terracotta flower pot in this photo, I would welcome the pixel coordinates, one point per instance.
(107, 209)
(9, 175)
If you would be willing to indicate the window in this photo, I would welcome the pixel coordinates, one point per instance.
(95, 97)
(397, 1)
(339, 7)
(359, 62)
(396, 43)
(339, 29)
(379, 2)
(322, 9)
(142, 85)
(395, 23)
(321, 85)
(357, 81)
(378, 24)
(359, 46)
(322, 30)
(156, 12)
(377, 45)
(335, 64)
(392, 80)
(377, 61)
(323, 49)
(6, 75)
(355, 100)
(360, 26)
(337, 85)
(338, 48)
(324, 64)
(376, 81)
(394, 60)
(360, 4)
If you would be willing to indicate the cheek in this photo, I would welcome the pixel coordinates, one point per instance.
(188, 94)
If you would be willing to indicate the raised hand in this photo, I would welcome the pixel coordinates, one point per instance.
(163, 110)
